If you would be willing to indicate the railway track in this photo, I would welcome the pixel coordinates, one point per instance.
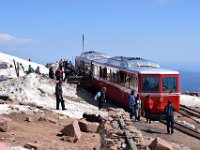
(185, 129)
(189, 112)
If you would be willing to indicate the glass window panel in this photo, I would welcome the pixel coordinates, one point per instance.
(150, 84)
(169, 84)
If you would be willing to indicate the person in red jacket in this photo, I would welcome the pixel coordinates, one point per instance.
(148, 108)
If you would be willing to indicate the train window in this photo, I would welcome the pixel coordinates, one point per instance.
(108, 74)
(114, 76)
(133, 83)
(96, 71)
(122, 77)
(150, 84)
(169, 84)
(104, 72)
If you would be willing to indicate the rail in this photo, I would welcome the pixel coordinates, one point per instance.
(128, 136)
(189, 111)
(185, 129)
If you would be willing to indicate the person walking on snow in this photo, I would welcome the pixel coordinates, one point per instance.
(168, 110)
(59, 97)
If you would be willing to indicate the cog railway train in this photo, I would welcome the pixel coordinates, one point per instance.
(122, 74)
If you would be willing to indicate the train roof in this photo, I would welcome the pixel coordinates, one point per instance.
(135, 64)
(132, 64)
(150, 70)
(129, 62)
(92, 55)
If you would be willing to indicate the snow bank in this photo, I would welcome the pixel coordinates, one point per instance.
(33, 88)
(10, 72)
(188, 100)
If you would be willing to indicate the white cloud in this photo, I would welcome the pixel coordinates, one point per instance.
(7, 38)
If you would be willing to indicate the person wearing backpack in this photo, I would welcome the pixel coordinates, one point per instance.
(148, 108)
(100, 97)
(168, 110)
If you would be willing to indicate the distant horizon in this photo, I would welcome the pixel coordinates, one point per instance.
(178, 67)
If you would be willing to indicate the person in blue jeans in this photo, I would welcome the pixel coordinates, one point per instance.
(132, 103)
(169, 109)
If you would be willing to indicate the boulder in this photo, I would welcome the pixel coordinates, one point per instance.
(5, 146)
(4, 123)
(160, 144)
(30, 145)
(72, 130)
(87, 126)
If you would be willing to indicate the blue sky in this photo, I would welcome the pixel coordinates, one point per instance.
(166, 31)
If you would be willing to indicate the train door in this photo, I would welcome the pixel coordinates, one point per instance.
(171, 90)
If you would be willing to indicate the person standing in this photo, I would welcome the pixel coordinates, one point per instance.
(59, 97)
(101, 97)
(51, 73)
(132, 103)
(138, 106)
(148, 108)
(168, 110)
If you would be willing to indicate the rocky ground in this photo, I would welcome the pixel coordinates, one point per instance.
(28, 127)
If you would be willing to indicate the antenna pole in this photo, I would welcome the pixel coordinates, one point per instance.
(83, 42)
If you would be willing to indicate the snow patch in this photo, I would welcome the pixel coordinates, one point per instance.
(188, 100)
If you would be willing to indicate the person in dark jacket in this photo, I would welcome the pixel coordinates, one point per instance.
(148, 108)
(169, 117)
(51, 73)
(131, 99)
(59, 97)
(100, 96)
(38, 70)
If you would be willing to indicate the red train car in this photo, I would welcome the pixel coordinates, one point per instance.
(121, 74)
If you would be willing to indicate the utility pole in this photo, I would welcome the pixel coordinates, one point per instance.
(83, 42)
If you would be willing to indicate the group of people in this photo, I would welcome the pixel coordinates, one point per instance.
(136, 105)
(31, 70)
(64, 69)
